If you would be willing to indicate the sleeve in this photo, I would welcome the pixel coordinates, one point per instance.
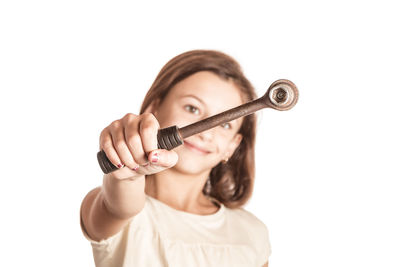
(259, 237)
(265, 245)
(105, 251)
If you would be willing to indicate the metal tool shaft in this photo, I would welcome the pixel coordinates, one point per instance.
(281, 95)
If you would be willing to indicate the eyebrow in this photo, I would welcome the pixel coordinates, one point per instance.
(198, 99)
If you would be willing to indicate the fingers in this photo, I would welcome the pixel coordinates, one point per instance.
(117, 131)
(128, 142)
(106, 144)
(159, 160)
(163, 158)
(148, 129)
(141, 137)
(133, 141)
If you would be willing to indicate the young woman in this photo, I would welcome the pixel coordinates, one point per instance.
(181, 207)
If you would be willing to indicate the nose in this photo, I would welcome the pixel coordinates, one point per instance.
(207, 135)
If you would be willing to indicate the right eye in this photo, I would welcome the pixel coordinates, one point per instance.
(192, 109)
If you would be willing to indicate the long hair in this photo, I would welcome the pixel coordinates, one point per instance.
(230, 183)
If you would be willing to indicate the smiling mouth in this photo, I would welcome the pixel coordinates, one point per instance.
(195, 148)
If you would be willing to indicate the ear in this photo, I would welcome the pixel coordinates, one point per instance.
(234, 143)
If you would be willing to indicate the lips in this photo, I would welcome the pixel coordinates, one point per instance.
(196, 148)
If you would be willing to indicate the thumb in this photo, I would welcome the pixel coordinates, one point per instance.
(163, 158)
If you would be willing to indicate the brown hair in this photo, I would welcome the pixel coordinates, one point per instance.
(230, 183)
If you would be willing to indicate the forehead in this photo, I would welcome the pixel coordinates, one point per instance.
(213, 90)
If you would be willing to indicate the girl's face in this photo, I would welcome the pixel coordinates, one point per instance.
(197, 97)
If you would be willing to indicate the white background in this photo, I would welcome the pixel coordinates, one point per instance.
(327, 182)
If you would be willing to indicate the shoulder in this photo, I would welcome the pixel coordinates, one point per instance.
(256, 231)
(247, 219)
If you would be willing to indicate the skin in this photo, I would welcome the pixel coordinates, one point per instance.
(174, 177)
(196, 98)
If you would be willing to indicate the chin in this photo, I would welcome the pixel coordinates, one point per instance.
(191, 168)
(194, 164)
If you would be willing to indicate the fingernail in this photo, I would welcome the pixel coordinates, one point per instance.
(119, 166)
(155, 157)
(136, 168)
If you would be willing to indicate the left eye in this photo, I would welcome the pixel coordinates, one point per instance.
(226, 125)
(192, 109)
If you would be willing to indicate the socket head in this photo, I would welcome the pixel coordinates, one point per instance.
(282, 95)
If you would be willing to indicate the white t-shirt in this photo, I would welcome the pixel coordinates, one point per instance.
(163, 236)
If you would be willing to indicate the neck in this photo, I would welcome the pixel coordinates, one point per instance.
(180, 191)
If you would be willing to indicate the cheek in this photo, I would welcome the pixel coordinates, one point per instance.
(166, 118)
(228, 145)
(172, 116)
(190, 162)
(221, 147)
(222, 150)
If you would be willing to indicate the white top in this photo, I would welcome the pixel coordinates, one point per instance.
(163, 236)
